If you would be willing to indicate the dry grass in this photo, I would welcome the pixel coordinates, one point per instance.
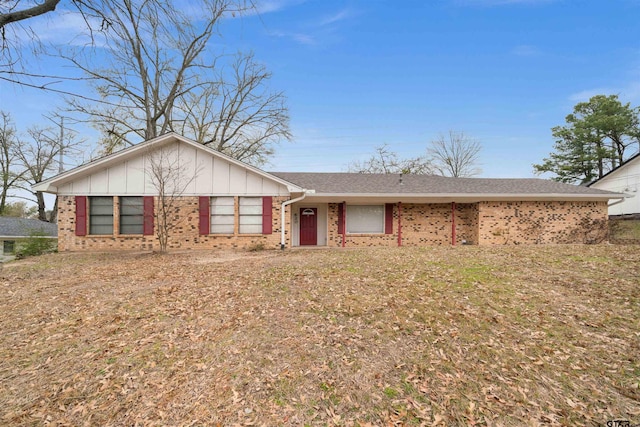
(625, 230)
(434, 336)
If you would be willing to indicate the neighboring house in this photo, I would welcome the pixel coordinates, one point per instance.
(14, 231)
(623, 179)
(112, 203)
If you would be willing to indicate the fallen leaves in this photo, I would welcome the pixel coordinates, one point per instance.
(424, 336)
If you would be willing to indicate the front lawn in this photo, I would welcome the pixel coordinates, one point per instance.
(432, 336)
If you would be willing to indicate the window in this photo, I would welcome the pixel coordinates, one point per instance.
(131, 215)
(9, 246)
(367, 219)
(222, 215)
(101, 215)
(250, 215)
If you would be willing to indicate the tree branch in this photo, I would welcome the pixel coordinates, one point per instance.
(19, 15)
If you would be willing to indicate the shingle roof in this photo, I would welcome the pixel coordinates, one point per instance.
(357, 183)
(24, 227)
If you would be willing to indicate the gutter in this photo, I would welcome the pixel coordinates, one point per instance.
(627, 196)
(282, 217)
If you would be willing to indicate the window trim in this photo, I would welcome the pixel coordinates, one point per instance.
(213, 214)
(11, 244)
(91, 215)
(350, 215)
(260, 215)
(121, 214)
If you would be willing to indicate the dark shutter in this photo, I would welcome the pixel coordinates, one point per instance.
(81, 215)
(341, 218)
(204, 218)
(147, 228)
(267, 215)
(388, 218)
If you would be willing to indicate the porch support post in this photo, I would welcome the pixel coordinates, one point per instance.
(399, 223)
(344, 224)
(453, 223)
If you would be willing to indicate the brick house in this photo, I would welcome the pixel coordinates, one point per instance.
(112, 203)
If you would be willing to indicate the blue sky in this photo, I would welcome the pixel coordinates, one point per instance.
(359, 74)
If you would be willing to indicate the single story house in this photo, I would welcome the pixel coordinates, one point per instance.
(214, 201)
(623, 179)
(14, 231)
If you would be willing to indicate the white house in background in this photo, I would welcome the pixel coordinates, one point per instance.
(623, 179)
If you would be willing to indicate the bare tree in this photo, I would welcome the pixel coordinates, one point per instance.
(39, 156)
(14, 11)
(162, 64)
(10, 167)
(236, 114)
(455, 154)
(387, 162)
(170, 178)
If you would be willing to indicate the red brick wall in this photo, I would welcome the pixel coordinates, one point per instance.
(503, 223)
(484, 223)
(184, 234)
(422, 225)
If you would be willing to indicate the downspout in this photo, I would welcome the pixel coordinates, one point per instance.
(453, 223)
(399, 223)
(618, 202)
(282, 218)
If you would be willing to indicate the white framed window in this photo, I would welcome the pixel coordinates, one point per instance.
(101, 215)
(222, 215)
(365, 219)
(131, 215)
(250, 210)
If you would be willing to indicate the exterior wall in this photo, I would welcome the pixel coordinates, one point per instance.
(421, 225)
(430, 224)
(184, 235)
(200, 172)
(355, 240)
(485, 223)
(626, 180)
(502, 223)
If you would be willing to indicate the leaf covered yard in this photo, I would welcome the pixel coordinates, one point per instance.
(431, 336)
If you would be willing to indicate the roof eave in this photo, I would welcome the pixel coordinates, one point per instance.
(470, 197)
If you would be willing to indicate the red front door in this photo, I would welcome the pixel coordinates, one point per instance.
(308, 226)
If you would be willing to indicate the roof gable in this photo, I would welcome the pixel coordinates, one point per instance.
(632, 162)
(129, 171)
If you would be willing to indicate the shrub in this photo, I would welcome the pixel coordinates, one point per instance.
(590, 231)
(36, 244)
(256, 247)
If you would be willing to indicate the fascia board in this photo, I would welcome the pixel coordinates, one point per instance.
(471, 197)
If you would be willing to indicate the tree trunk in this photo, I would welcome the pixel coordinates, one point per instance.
(3, 202)
(53, 218)
(42, 213)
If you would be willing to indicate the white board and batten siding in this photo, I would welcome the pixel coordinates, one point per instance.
(202, 173)
(625, 179)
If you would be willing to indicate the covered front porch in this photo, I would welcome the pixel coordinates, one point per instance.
(358, 223)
